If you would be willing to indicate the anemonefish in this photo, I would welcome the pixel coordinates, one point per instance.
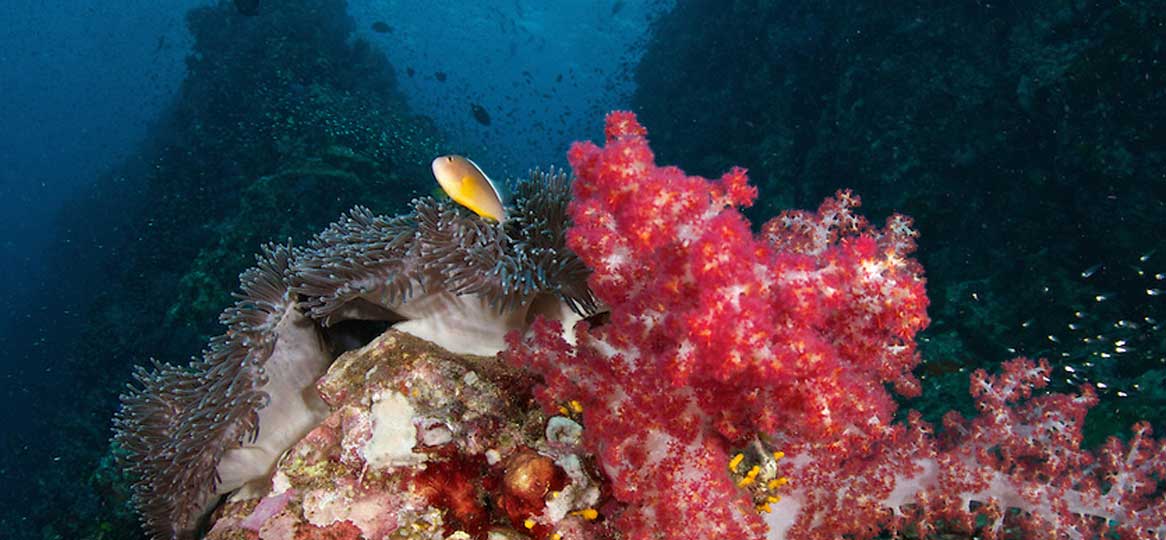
(468, 186)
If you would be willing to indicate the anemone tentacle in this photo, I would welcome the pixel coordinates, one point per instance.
(364, 262)
(360, 256)
(539, 231)
(175, 427)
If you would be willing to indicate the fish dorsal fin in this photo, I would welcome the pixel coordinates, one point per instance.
(468, 186)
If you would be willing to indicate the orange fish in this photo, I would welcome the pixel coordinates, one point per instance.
(468, 186)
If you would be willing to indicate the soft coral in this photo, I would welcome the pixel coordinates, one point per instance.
(716, 334)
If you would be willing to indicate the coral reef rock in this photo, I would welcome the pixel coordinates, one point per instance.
(424, 443)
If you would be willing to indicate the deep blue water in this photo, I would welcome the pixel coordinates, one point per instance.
(80, 83)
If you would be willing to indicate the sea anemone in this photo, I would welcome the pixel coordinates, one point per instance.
(193, 434)
(447, 273)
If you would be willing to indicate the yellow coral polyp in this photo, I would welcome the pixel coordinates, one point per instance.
(750, 476)
(764, 507)
(760, 481)
(571, 408)
(736, 462)
(587, 513)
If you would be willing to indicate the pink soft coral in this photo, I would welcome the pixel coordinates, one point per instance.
(723, 346)
(717, 335)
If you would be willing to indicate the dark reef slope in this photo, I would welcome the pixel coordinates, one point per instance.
(283, 122)
(1027, 139)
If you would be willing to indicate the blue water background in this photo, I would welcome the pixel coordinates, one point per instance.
(80, 82)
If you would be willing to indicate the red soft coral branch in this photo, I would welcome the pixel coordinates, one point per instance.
(1020, 452)
(719, 339)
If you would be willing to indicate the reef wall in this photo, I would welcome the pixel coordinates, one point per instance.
(1025, 138)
